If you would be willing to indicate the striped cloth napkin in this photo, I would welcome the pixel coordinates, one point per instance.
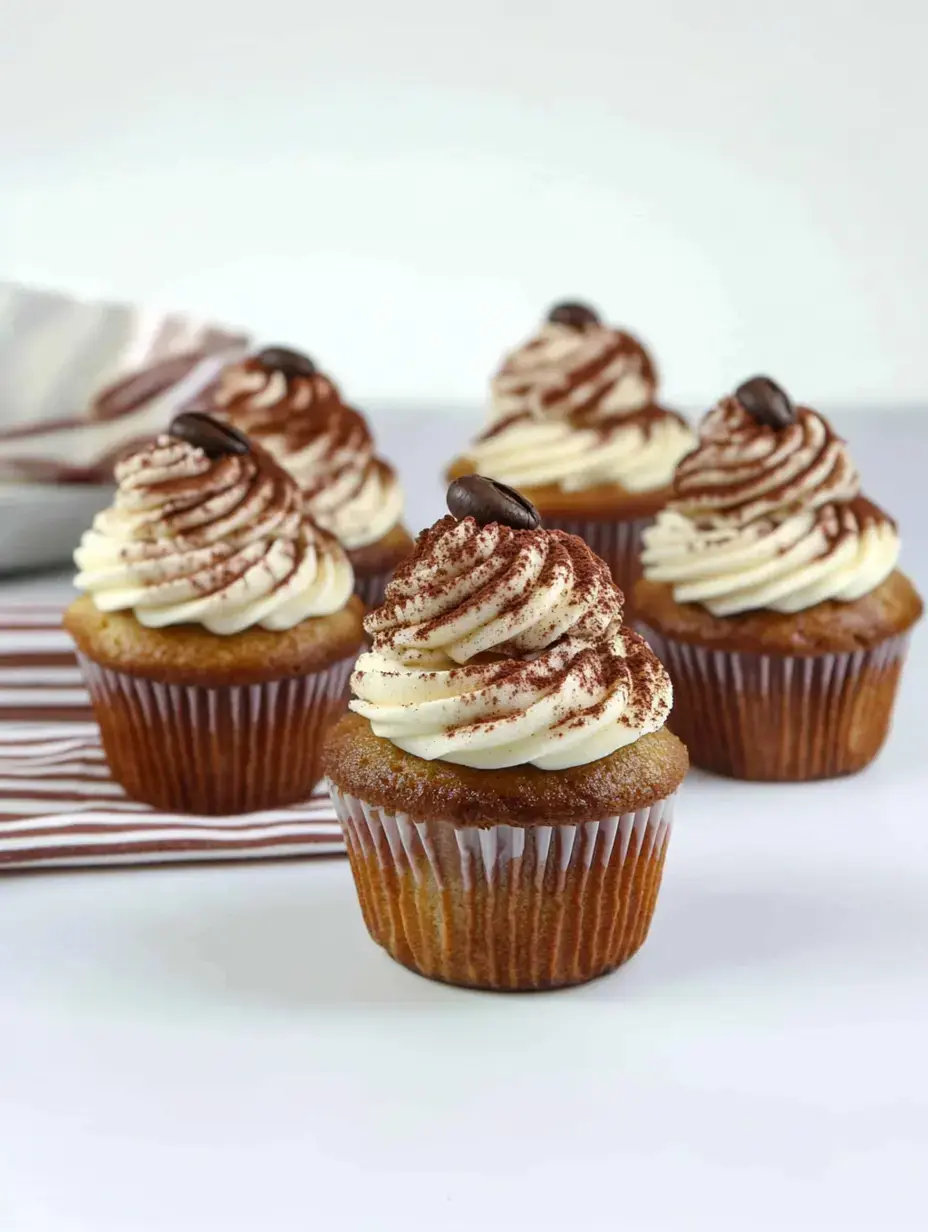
(58, 805)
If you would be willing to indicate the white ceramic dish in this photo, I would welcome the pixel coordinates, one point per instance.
(41, 523)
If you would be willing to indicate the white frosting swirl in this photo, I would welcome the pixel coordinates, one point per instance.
(743, 470)
(574, 408)
(638, 453)
(595, 369)
(837, 552)
(498, 648)
(221, 542)
(768, 519)
(326, 446)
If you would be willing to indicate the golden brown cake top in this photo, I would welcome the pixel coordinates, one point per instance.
(375, 770)
(830, 627)
(191, 655)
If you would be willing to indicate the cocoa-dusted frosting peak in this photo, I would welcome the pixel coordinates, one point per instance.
(272, 394)
(207, 528)
(498, 646)
(743, 468)
(575, 365)
(768, 513)
(575, 407)
(283, 400)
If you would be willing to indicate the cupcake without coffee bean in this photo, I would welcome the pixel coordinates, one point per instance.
(218, 627)
(506, 784)
(771, 593)
(576, 426)
(279, 398)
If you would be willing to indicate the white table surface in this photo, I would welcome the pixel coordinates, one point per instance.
(224, 1048)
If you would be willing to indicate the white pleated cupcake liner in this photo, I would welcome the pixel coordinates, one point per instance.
(504, 906)
(618, 543)
(781, 717)
(224, 750)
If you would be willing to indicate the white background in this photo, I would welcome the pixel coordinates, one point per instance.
(400, 187)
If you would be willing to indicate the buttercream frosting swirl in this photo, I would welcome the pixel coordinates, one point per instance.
(223, 542)
(593, 370)
(300, 418)
(499, 647)
(768, 517)
(638, 450)
(574, 407)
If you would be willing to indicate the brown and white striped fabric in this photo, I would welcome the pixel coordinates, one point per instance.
(58, 805)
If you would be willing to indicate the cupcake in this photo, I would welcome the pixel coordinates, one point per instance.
(576, 427)
(217, 630)
(506, 783)
(771, 593)
(279, 398)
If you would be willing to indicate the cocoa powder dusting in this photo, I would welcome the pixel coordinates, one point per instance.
(595, 651)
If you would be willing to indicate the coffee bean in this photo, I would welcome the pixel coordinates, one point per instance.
(290, 363)
(766, 402)
(487, 501)
(214, 438)
(573, 314)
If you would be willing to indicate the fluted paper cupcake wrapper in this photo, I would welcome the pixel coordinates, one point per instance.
(618, 543)
(784, 718)
(506, 907)
(231, 749)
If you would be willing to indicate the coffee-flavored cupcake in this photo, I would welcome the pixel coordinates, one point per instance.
(279, 398)
(577, 428)
(506, 783)
(771, 593)
(218, 627)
